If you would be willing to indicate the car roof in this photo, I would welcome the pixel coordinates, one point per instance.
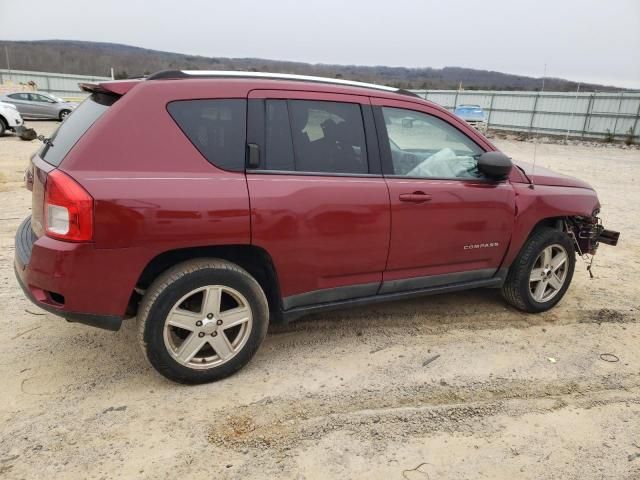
(257, 79)
(176, 74)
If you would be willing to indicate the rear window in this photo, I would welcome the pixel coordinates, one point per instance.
(76, 125)
(20, 96)
(217, 128)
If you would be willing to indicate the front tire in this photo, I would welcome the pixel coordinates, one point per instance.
(3, 127)
(540, 275)
(63, 114)
(202, 320)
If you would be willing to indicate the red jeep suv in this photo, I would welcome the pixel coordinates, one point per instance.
(210, 203)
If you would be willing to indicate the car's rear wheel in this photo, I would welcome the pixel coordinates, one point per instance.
(63, 114)
(540, 275)
(202, 320)
(3, 127)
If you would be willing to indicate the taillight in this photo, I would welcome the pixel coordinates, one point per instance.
(68, 209)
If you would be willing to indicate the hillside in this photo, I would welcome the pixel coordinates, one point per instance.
(92, 58)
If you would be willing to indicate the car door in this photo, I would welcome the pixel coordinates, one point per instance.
(23, 104)
(449, 223)
(319, 204)
(43, 107)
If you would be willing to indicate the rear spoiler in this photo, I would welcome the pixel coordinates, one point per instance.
(110, 87)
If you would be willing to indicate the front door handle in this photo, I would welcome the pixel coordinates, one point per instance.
(415, 197)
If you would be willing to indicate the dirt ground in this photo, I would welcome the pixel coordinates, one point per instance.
(456, 386)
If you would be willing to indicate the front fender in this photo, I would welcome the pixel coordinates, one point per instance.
(542, 202)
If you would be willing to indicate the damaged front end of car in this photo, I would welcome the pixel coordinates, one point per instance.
(588, 233)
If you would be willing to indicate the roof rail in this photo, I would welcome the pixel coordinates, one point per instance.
(181, 74)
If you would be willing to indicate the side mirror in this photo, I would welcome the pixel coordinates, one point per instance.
(495, 165)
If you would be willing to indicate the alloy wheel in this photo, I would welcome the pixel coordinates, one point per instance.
(549, 273)
(208, 326)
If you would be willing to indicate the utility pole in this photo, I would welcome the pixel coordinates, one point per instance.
(6, 54)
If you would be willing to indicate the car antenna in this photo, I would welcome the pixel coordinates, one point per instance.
(535, 139)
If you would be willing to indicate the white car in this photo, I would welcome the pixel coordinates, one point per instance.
(10, 118)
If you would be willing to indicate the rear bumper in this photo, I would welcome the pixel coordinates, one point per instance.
(73, 280)
(107, 322)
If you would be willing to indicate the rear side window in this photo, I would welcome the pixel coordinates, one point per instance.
(217, 128)
(315, 137)
(76, 125)
(20, 96)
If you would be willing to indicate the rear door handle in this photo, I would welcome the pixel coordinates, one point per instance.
(415, 197)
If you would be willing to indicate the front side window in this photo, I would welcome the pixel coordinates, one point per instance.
(41, 98)
(217, 128)
(315, 137)
(423, 146)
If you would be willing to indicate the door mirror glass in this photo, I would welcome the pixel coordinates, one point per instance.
(495, 165)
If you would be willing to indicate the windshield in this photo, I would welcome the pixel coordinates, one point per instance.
(71, 130)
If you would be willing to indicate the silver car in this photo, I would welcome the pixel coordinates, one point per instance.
(39, 105)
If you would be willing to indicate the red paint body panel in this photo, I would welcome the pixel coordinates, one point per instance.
(542, 201)
(543, 176)
(430, 238)
(91, 280)
(155, 192)
(321, 232)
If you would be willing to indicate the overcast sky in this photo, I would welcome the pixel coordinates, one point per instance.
(583, 40)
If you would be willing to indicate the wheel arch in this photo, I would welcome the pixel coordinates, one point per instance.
(557, 223)
(255, 260)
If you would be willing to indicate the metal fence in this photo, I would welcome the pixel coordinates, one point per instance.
(583, 115)
(60, 84)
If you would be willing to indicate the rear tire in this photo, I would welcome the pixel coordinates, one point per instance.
(202, 320)
(540, 275)
(3, 127)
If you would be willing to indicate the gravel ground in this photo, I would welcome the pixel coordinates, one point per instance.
(455, 386)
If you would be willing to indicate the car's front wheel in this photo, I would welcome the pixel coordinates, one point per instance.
(63, 114)
(540, 275)
(202, 320)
